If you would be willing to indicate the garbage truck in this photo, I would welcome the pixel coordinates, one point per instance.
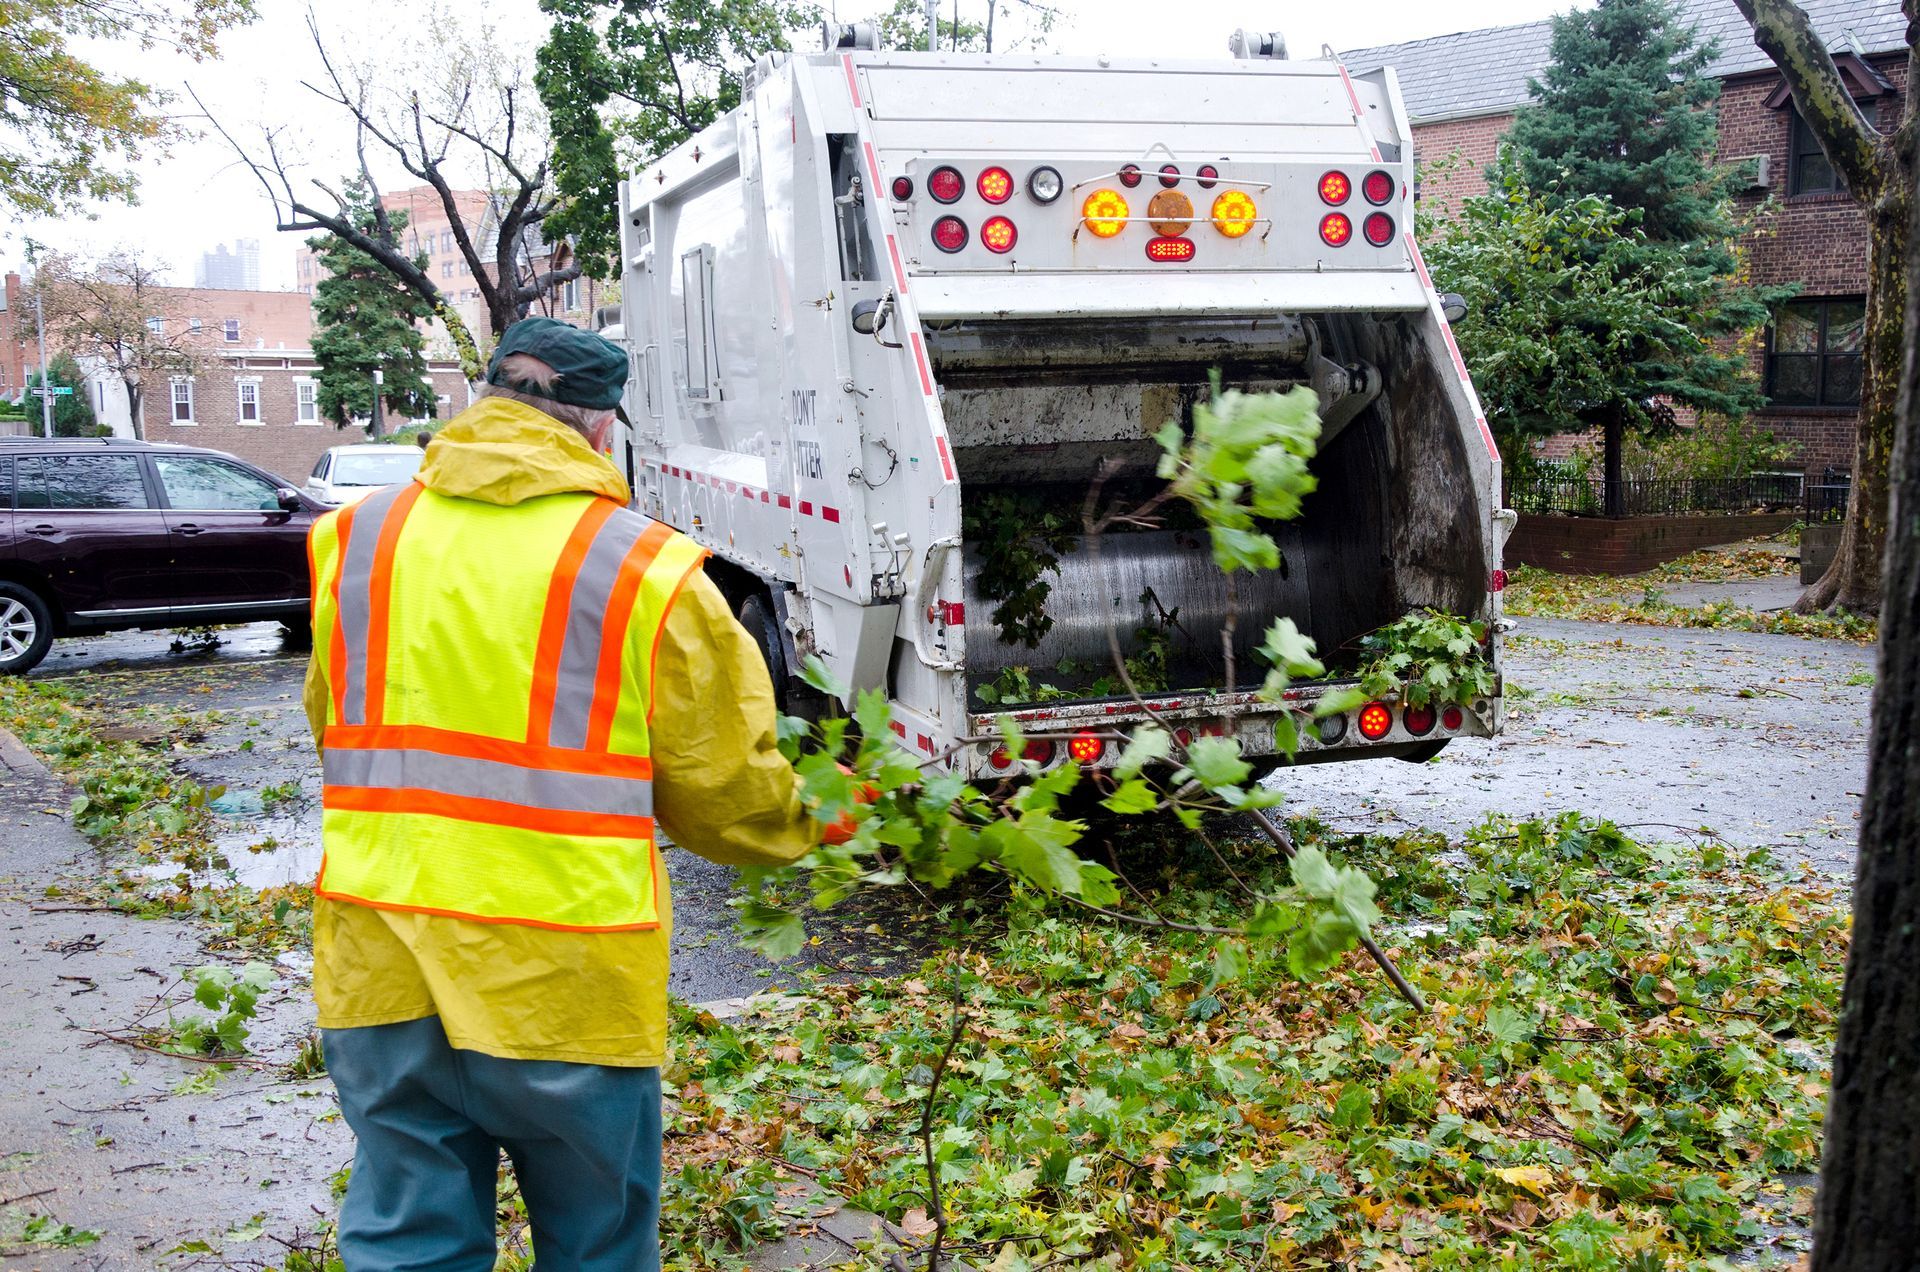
(892, 289)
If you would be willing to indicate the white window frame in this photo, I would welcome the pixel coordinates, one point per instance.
(230, 330)
(310, 386)
(193, 326)
(240, 402)
(175, 384)
(157, 325)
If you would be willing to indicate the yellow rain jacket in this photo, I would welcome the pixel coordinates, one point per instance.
(720, 788)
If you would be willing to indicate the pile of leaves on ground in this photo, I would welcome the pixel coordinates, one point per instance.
(1640, 598)
(1627, 1042)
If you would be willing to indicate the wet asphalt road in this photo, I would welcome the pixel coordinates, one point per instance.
(1760, 738)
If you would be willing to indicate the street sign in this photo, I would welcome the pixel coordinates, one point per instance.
(58, 390)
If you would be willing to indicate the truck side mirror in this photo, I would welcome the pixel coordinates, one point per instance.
(1453, 305)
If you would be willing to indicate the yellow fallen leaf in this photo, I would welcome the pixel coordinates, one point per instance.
(1535, 1179)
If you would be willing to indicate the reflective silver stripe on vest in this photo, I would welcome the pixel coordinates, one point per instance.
(579, 664)
(356, 600)
(404, 769)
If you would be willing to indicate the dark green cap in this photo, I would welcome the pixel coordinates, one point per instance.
(593, 369)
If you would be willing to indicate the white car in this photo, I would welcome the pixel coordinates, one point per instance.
(348, 474)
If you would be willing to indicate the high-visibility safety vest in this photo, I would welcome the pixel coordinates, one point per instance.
(520, 790)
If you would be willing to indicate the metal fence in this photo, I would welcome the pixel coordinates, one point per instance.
(1660, 497)
(1827, 498)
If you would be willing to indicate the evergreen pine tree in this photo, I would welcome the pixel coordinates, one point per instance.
(72, 412)
(365, 320)
(1625, 111)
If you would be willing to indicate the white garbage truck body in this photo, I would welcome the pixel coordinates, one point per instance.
(877, 289)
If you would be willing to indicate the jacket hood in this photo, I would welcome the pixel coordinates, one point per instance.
(499, 451)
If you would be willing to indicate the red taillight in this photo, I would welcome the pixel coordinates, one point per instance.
(1038, 752)
(1378, 187)
(1129, 175)
(1499, 581)
(1379, 229)
(949, 233)
(1375, 720)
(946, 185)
(998, 235)
(1169, 175)
(1419, 720)
(1206, 174)
(995, 185)
(1085, 748)
(1170, 249)
(902, 189)
(1184, 737)
(1335, 188)
(1336, 229)
(1452, 718)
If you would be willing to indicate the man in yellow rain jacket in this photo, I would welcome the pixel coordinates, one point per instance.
(514, 679)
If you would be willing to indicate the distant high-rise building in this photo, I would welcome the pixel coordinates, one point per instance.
(238, 270)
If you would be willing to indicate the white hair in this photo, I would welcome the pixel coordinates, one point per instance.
(525, 369)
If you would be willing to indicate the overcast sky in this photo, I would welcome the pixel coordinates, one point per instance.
(197, 196)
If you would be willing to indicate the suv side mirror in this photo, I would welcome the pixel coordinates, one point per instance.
(289, 499)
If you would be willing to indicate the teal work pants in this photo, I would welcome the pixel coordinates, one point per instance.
(430, 1122)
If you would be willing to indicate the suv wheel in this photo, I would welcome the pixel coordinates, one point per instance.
(26, 628)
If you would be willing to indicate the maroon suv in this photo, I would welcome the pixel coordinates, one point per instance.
(102, 534)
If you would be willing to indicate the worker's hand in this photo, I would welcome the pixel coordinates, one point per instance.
(842, 830)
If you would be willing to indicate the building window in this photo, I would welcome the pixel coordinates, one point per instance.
(183, 401)
(1809, 171)
(230, 330)
(306, 402)
(158, 326)
(446, 269)
(446, 240)
(193, 325)
(1813, 353)
(570, 296)
(249, 401)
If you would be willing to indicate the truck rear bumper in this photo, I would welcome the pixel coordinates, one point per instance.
(1243, 716)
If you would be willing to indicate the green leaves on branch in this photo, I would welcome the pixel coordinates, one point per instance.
(1425, 658)
(1247, 459)
(232, 997)
(930, 828)
(1019, 537)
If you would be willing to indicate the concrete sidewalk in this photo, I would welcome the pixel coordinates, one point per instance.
(96, 1134)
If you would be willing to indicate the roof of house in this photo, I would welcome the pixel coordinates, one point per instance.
(1481, 72)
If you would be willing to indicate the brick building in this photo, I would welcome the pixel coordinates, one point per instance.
(260, 404)
(1462, 91)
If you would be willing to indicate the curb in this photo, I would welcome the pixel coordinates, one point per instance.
(17, 761)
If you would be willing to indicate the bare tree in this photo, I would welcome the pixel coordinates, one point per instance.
(1878, 169)
(479, 118)
(119, 314)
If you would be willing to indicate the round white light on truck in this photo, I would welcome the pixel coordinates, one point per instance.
(1044, 184)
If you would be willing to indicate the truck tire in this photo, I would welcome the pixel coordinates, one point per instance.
(756, 615)
(26, 629)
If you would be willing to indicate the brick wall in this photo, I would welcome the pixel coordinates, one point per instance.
(278, 442)
(1453, 156)
(14, 335)
(1596, 545)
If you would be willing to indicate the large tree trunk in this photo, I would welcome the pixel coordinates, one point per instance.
(1852, 582)
(1867, 1218)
